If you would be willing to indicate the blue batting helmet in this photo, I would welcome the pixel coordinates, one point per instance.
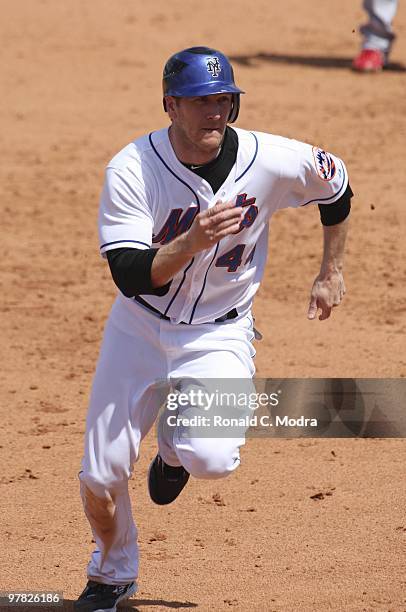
(200, 71)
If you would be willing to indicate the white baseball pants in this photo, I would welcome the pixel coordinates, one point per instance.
(139, 354)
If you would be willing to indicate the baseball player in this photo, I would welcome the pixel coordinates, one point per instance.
(183, 223)
(377, 36)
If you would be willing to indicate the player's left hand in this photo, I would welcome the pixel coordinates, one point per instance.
(328, 290)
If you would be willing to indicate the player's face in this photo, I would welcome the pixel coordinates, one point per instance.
(198, 125)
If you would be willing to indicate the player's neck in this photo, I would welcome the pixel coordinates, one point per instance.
(189, 153)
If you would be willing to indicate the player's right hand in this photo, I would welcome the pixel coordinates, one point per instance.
(213, 224)
(327, 292)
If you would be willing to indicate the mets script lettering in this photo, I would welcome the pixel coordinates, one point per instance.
(178, 223)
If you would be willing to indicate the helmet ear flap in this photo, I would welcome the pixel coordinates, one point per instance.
(235, 108)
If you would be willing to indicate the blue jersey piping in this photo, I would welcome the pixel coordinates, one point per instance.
(180, 285)
(198, 204)
(218, 244)
(204, 284)
(118, 241)
(333, 196)
(253, 159)
(172, 172)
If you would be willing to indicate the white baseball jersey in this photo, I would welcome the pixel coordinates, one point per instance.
(150, 197)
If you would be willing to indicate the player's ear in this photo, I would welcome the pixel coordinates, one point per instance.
(170, 105)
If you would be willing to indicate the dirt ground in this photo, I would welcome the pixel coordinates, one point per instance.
(79, 81)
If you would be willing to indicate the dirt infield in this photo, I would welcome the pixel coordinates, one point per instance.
(79, 81)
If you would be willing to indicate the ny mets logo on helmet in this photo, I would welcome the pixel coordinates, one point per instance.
(214, 66)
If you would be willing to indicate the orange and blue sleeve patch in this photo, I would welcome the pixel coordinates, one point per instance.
(324, 163)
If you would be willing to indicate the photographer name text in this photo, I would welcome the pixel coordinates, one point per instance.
(246, 421)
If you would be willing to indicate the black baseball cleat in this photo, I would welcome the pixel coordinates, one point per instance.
(99, 597)
(165, 482)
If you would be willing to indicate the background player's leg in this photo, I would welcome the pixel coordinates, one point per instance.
(378, 33)
(207, 452)
(123, 406)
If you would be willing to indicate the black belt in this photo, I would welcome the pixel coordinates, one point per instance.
(232, 314)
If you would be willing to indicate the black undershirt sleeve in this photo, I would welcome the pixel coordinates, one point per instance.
(131, 271)
(331, 214)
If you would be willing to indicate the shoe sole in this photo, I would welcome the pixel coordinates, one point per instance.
(368, 69)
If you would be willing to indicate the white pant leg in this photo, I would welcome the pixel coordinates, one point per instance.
(214, 359)
(115, 559)
(378, 33)
(123, 406)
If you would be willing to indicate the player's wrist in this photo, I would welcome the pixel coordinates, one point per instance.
(330, 269)
(187, 245)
